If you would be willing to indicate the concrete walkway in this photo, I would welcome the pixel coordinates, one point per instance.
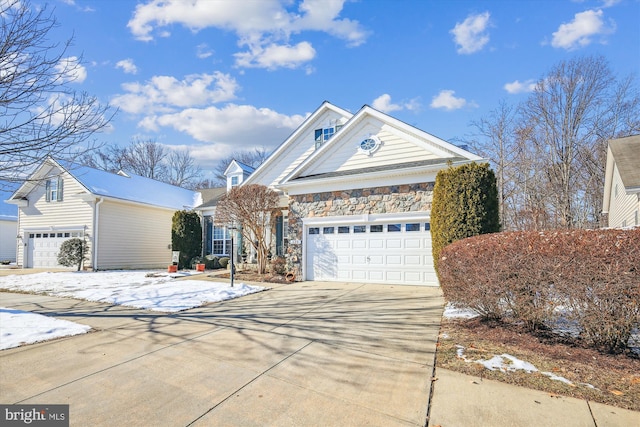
(303, 354)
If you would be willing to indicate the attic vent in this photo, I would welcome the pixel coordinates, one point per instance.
(123, 173)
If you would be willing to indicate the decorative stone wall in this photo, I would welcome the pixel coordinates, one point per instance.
(377, 200)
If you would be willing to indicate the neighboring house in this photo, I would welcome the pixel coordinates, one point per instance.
(125, 219)
(8, 229)
(356, 197)
(622, 182)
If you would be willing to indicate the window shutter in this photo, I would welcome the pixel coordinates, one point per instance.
(59, 195)
(47, 190)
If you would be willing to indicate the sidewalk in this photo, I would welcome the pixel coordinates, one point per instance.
(463, 400)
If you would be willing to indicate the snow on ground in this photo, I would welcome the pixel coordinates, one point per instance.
(453, 312)
(19, 327)
(140, 289)
(508, 363)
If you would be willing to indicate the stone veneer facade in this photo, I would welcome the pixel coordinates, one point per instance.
(377, 200)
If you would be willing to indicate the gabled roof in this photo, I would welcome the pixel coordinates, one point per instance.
(126, 187)
(211, 196)
(245, 168)
(623, 153)
(626, 152)
(444, 150)
(290, 142)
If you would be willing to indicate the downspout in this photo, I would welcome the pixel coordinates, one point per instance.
(95, 235)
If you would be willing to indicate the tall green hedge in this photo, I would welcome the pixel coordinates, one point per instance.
(465, 204)
(186, 236)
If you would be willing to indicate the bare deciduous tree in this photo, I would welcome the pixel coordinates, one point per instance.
(40, 115)
(550, 155)
(250, 207)
(150, 159)
(253, 158)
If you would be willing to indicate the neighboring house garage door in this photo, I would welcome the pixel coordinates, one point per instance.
(43, 247)
(392, 253)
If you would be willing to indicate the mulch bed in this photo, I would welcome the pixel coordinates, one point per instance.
(615, 378)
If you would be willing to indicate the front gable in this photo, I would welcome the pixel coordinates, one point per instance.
(302, 143)
(373, 144)
(49, 181)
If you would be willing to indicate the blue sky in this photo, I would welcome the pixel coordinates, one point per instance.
(216, 76)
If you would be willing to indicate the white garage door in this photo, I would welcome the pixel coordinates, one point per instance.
(398, 252)
(43, 247)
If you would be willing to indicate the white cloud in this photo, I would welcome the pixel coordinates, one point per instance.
(203, 51)
(383, 103)
(127, 66)
(165, 94)
(239, 126)
(447, 101)
(71, 70)
(265, 27)
(517, 86)
(275, 56)
(470, 35)
(581, 30)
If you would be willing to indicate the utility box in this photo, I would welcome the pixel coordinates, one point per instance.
(175, 257)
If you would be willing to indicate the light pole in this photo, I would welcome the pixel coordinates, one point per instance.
(232, 230)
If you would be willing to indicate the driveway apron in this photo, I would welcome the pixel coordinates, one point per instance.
(302, 354)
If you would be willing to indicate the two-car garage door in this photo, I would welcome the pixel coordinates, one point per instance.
(396, 252)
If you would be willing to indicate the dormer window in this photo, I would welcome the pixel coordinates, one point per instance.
(324, 134)
(234, 181)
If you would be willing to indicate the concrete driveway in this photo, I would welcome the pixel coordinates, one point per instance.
(302, 354)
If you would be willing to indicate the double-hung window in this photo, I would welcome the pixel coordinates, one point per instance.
(53, 188)
(221, 241)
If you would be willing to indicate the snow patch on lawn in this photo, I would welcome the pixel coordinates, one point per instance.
(19, 327)
(140, 289)
(508, 363)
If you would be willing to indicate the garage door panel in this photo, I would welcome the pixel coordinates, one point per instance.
(359, 275)
(412, 260)
(375, 259)
(376, 244)
(394, 243)
(359, 259)
(359, 244)
(412, 243)
(343, 244)
(393, 260)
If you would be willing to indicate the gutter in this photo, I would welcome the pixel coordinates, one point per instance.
(96, 223)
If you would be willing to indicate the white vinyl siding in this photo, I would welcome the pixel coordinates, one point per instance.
(71, 213)
(133, 236)
(299, 151)
(623, 207)
(394, 150)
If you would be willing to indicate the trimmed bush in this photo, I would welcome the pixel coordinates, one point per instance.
(72, 253)
(224, 261)
(593, 275)
(465, 203)
(212, 262)
(186, 236)
(278, 265)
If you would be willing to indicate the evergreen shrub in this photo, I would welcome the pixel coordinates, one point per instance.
(72, 253)
(465, 203)
(186, 236)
